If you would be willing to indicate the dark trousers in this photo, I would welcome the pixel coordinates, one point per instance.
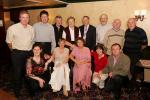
(134, 69)
(46, 46)
(18, 66)
(114, 84)
(33, 85)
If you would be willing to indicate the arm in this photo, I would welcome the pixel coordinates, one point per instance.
(94, 38)
(66, 57)
(53, 39)
(144, 41)
(9, 37)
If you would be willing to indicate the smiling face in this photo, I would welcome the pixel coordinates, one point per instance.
(44, 18)
(61, 43)
(115, 50)
(37, 51)
(131, 23)
(85, 21)
(99, 51)
(103, 19)
(58, 21)
(71, 22)
(116, 24)
(24, 19)
(80, 43)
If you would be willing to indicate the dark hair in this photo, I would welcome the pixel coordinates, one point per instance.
(23, 12)
(86, 17)
(58, 17)
(81, 39)
(116, 44)
(36, 45)
(44, 12)
(99, 46)
(70, 18)
(61, 39)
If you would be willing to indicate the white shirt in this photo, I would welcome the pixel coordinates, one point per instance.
(72, 34)
(101, 31)
(21, 37)
(85, 31)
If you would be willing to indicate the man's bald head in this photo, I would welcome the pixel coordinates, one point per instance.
(131, 23)
(116, 24)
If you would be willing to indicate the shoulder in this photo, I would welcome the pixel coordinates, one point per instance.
(86, 48)
(82, 26)
(14, 26)
(125, 57)
(36, 24)
(93, 27)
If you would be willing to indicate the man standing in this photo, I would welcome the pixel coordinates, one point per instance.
(44, 33)
(20, 40)
(102, 29)
(118, 70)
(114, 35)
(58, 28)
(88, 33)
(135, 42)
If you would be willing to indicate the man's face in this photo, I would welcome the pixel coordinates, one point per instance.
(24, 19)
(44, 18)
(85, 21)
(131, 23)
(103, 19)
(117, 24)
(58, 21)
(116, 50)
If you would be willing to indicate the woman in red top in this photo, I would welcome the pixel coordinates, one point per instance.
(100, 62)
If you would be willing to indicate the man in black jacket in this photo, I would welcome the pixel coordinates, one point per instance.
(58, 28)
(88, 33)
(135, 42)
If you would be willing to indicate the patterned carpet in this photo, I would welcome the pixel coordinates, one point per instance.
(138, 92)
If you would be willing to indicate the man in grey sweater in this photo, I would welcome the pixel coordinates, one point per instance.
(44, 33)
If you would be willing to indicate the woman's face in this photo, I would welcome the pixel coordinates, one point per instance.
(99, 51)
(80, 43)
(37, 51)
(61, 43)
(71, 22)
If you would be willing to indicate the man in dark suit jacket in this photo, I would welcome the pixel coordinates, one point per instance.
(88, 33)
(58, 28)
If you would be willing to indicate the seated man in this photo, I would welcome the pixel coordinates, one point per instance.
(117, 69)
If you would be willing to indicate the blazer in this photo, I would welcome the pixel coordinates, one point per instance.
(90, 40)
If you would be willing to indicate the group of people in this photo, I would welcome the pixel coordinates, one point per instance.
(104, 55)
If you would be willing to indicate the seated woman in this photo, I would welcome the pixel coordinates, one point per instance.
(60, 75)
(82, 67)
(100, 62)
(37, 77)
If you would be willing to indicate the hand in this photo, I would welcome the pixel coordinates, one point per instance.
(29, 71)
(46, 65)
(41, 82)
(46, 56)
(110, 74)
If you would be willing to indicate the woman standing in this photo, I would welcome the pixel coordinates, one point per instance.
(82, 67)
(60, 75)
(71, 32)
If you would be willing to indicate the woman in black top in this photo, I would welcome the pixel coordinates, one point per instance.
(37, 75)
